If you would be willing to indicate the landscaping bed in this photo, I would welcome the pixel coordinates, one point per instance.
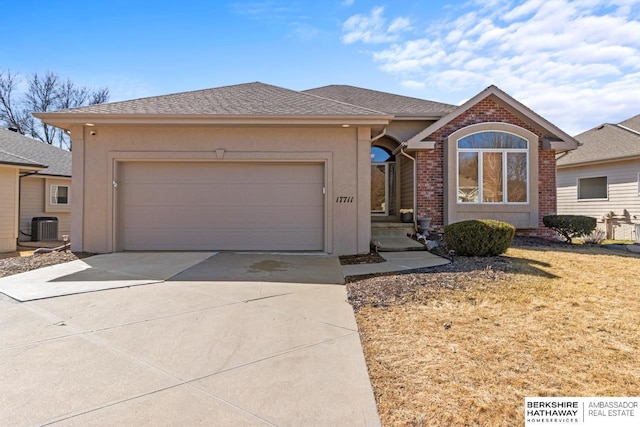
(19, 264)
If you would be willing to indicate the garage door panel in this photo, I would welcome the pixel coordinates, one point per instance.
(181, 217)
(196, 240)
(214, 194)
(203, 206)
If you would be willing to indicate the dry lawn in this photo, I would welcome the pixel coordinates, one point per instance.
(564, 321)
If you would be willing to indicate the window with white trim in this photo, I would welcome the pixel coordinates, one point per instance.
(595, 188)
(59, 195)
(493, 167)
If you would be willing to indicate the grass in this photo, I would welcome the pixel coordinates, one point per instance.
(562, 322)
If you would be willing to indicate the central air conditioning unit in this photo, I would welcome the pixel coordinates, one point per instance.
(44, 229)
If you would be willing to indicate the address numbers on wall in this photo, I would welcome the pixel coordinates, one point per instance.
(344, 199)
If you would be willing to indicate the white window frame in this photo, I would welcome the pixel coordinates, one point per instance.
(504, 151)
(53, 195)
(592, 199)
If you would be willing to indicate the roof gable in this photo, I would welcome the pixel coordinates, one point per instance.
(398, 105)
(556, 138)
(17, 149)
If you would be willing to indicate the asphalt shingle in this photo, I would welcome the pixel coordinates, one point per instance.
(382, 101)
(18, 149)
(249, 99)
(632, 123)
(605, 142)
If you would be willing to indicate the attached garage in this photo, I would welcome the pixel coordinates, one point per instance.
(166, 205)
(249, 167)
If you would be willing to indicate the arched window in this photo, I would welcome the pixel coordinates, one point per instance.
(493, 167)
(380, 155)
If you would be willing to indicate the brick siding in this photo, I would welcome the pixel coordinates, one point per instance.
(431, 173)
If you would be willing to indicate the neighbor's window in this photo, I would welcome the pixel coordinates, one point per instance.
(493, 168)
(59, 195)
(592, 188)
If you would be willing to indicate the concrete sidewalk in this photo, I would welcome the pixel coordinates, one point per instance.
(396, 262)
(190, 352)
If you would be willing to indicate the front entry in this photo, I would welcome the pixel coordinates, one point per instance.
(383, 183)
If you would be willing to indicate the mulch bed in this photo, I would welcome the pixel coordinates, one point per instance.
(370, 258)
(382, 290)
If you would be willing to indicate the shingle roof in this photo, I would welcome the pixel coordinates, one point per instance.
(19, 150)
(382, 101)
(249, 99)
(605, 142)
(632, 123)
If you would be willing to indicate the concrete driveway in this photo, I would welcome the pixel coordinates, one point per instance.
(168, 343)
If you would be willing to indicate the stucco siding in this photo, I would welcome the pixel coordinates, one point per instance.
(33, 198)
(403, 130)
(338, 149)
(8, 208)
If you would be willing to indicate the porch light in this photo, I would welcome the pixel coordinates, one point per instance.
(345, 126)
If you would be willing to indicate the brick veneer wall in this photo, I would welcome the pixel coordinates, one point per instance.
(431, 173)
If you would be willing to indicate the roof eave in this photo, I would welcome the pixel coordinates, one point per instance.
(29, 166)
(53, 175)
(561, 140)
(410, 116)
(598, 161)
(558, 145)
(65, 121)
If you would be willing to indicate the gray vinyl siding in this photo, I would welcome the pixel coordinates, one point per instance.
(8, 195)
(32, 204)
(623, 198)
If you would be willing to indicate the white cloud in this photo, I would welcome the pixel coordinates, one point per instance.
(576, 62)
(372, 28)
(348, 3)
(412, 84)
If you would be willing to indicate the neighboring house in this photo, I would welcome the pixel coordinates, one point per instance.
(35, 182)
(259, 167)
(602, 178)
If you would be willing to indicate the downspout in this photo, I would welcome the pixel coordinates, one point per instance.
(380, 135)
(20, 203)
(415, 187)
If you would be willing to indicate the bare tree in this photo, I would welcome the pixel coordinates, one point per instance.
(43, 93)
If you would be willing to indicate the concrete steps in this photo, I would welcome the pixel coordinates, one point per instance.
(392, 237)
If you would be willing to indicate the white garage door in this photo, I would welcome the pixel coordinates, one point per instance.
(220, 206)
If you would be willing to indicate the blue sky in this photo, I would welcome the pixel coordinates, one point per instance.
(577, 63)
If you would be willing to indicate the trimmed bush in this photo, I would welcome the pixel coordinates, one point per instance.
(570, 226)
(479, 237)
